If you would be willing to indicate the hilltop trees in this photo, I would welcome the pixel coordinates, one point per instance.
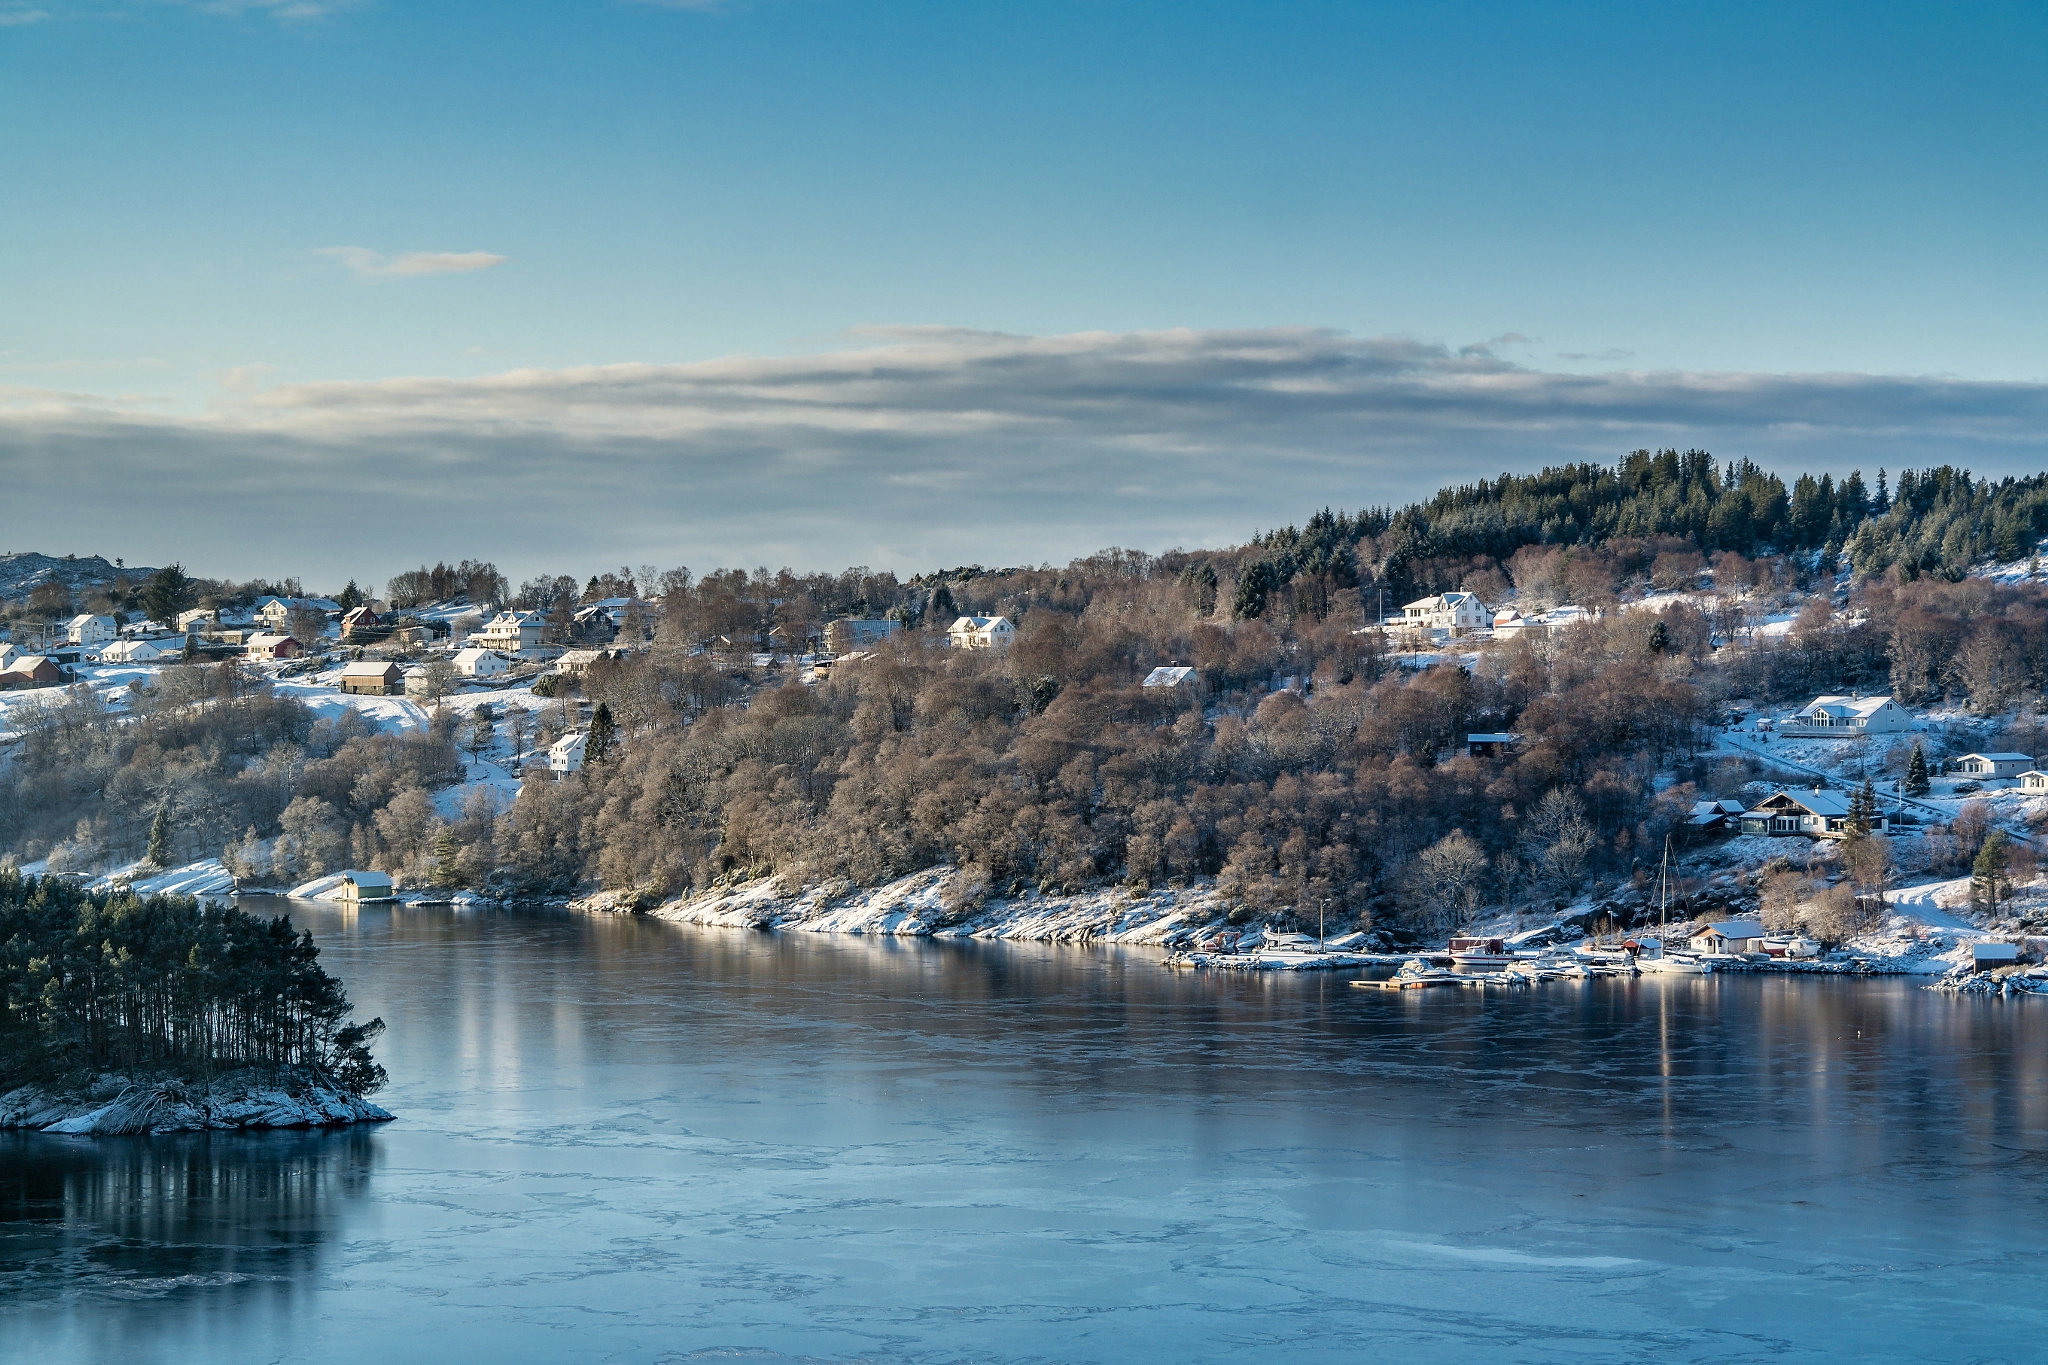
(167, 593)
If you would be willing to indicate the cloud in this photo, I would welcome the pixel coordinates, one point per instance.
(914, 446)
(373, 265)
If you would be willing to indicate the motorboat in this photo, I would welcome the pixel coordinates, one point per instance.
(1489, 953)
(1674, 964)
(1791, 946)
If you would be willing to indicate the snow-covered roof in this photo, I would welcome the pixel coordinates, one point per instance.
(979, 623)
(1492, 737)
(474, 652)
(367, 668)
(1734, 928)
(266, 640)
(1845, 706)
(1167, 677)
(2001, 758)
(1825, 803)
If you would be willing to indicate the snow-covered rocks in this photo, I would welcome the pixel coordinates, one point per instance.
(917, 906)
(241, 1100)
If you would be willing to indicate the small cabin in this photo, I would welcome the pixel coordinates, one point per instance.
(270, 646)
(1493, 744)
(1984, 956)
(1729, 936)
(373, 678)
(2033, 780)
(364, 886)
(480, 663)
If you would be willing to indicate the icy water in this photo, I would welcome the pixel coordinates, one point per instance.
(621, 1140)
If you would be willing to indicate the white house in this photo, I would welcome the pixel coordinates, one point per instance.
(1848, 718)
(8, 654)
(276, 612)
(1818, 815)
(1173, 675)
(418, 682)
(981, 632)
(90, 631)
(480, 663)
(1994, 765)
(1452, 611)
(132, 652)
(1729, 936)
(2033, 780)
(511, 632)
(565, 755)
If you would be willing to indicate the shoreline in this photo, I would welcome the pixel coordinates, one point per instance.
(236, 1102)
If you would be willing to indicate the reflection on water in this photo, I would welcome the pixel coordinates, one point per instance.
(89, 1223)
(620, 1139)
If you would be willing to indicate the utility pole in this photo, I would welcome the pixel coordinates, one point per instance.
(1320, 911)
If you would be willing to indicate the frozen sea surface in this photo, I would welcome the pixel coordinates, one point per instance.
(624, 1140)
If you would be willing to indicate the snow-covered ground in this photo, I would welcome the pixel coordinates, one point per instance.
(205, 878)
(914, 906)
(249, 1100)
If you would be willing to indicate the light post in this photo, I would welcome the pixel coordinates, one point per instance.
(1321, 909)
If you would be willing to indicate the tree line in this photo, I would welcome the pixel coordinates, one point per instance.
(94, 983)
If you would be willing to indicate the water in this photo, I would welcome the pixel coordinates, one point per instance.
(621, 1140)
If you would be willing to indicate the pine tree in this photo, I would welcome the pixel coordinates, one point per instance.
(446, 871)
(602, 734)
(1916, 773)
(1862, 806)
(351, 597)
(160, 836)
(1989, 877)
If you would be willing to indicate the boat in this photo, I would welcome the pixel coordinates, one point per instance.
(1791, 946)
(1489, 953)
(1415, 974)
(1675, 964)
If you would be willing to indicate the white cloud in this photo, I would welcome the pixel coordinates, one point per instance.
(375, 265)
(924, 445)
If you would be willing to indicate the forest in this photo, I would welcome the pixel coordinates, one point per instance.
(96, 983)
(1303, 764)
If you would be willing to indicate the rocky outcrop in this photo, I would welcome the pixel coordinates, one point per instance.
(240, 1100)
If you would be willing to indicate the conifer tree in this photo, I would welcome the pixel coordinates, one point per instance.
(1990, 879)
(1916, 773)
(446, 872)
(160, 836)
(602, 734)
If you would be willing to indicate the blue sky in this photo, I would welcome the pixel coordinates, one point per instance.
(236, 230)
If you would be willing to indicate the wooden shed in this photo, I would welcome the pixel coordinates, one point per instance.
(364, 886)
(374, 678)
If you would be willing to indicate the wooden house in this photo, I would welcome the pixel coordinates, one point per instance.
(373, 678)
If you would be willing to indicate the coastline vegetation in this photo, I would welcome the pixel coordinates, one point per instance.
(159, 986)
(1303, 763)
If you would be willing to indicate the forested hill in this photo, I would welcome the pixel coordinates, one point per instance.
(1936, 522)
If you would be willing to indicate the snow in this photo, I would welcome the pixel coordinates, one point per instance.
(914, 906)
(207, 877)
(248, 1100)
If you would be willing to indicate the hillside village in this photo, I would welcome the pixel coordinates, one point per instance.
(1780, 750)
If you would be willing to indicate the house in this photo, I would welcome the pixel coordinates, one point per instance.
(2033, 780)
(196, 618)
(1994, 765)
(1491, 744)
(1847, 718)
(8, 654)
(1817, 814)
(373, 678)
(1508, 623)
(32, 670)
(361, 621)
(1725, 814)
(358, 886)
(480, 663)
(593, 625)
(1176, 676)
(135, 652)
(981, 632)
(276, 612)
(1452, 611)
(90, 631)
(511, 632)
(565, 755)
(1728, 936)
(418, 682)
(269, 646)
(575, 663)
(850, 633)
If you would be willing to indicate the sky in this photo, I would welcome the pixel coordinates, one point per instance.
(330, 289)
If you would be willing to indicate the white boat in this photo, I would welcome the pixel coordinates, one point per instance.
(1669, 964)
(1489, 953)
(1791, 945)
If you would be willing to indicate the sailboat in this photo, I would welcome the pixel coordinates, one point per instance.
(1663, 961)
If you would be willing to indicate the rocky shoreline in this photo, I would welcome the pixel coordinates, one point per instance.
(240, 1101)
